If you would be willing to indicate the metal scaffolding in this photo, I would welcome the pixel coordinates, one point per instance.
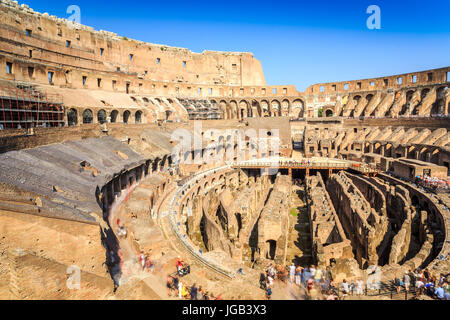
(201, 109)
(22, 106)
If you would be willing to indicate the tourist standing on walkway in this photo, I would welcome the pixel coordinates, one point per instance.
(439, 293)
(312, 269)
(298, 276)
(292, 273)
(318, 276)
(345, 287)
(142, 260)
(359, 287)
(194, 292)
(407, 280)
(328, 275)
(179, 265)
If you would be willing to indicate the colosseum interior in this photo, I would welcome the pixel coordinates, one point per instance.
(199, 158)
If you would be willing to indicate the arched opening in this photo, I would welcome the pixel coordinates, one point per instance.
(329, 113)
(225, 109)
(239, 222)
(138, 117)
(126, 116)
(234, 110)
(87, 117)
(271, 249)
(265, 109)
(298, 108)
(114, 115)
(101, 116)
(439, 105)
(276, 108)
(72, 117)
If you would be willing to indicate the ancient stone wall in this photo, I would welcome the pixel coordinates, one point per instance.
(328, 236)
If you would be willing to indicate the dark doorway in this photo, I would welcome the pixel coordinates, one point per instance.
(272, 248)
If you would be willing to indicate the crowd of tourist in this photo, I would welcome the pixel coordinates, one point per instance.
(177, 288)
(145, 262)
(318, 283)
(433, 183)
(292, 163)
(313, 281)
(424, 282)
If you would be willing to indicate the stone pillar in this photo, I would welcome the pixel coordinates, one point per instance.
(405, 152)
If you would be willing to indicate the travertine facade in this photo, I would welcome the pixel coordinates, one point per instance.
(89, 128)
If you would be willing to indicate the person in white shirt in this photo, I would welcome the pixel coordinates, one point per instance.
(312, 270)
(345, 287)
(292, 272)
(359, 287)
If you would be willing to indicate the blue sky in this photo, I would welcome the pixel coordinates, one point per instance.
(298, 42)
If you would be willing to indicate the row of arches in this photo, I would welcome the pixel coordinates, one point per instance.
(235, 109)
(87, 117)
(414, 97)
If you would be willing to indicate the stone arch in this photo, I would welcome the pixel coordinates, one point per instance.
(298, 108)
(114, 116)
(72, 117)
(424, 93)
(423, 154)
(276, 108)
(271, 250)
(126, 116)
(256, 109)
(329, 113)
(243, 109)
(435, 156)
(265, 108)
(138, 117)
(88, 116)
(101, 116)
(225, 109)
(439, 105)
(388, 150)
(377, 147)
(234, 110)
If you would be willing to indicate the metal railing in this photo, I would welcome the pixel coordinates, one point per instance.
(183, 238)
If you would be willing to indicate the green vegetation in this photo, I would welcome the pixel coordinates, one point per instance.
(294, 212)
